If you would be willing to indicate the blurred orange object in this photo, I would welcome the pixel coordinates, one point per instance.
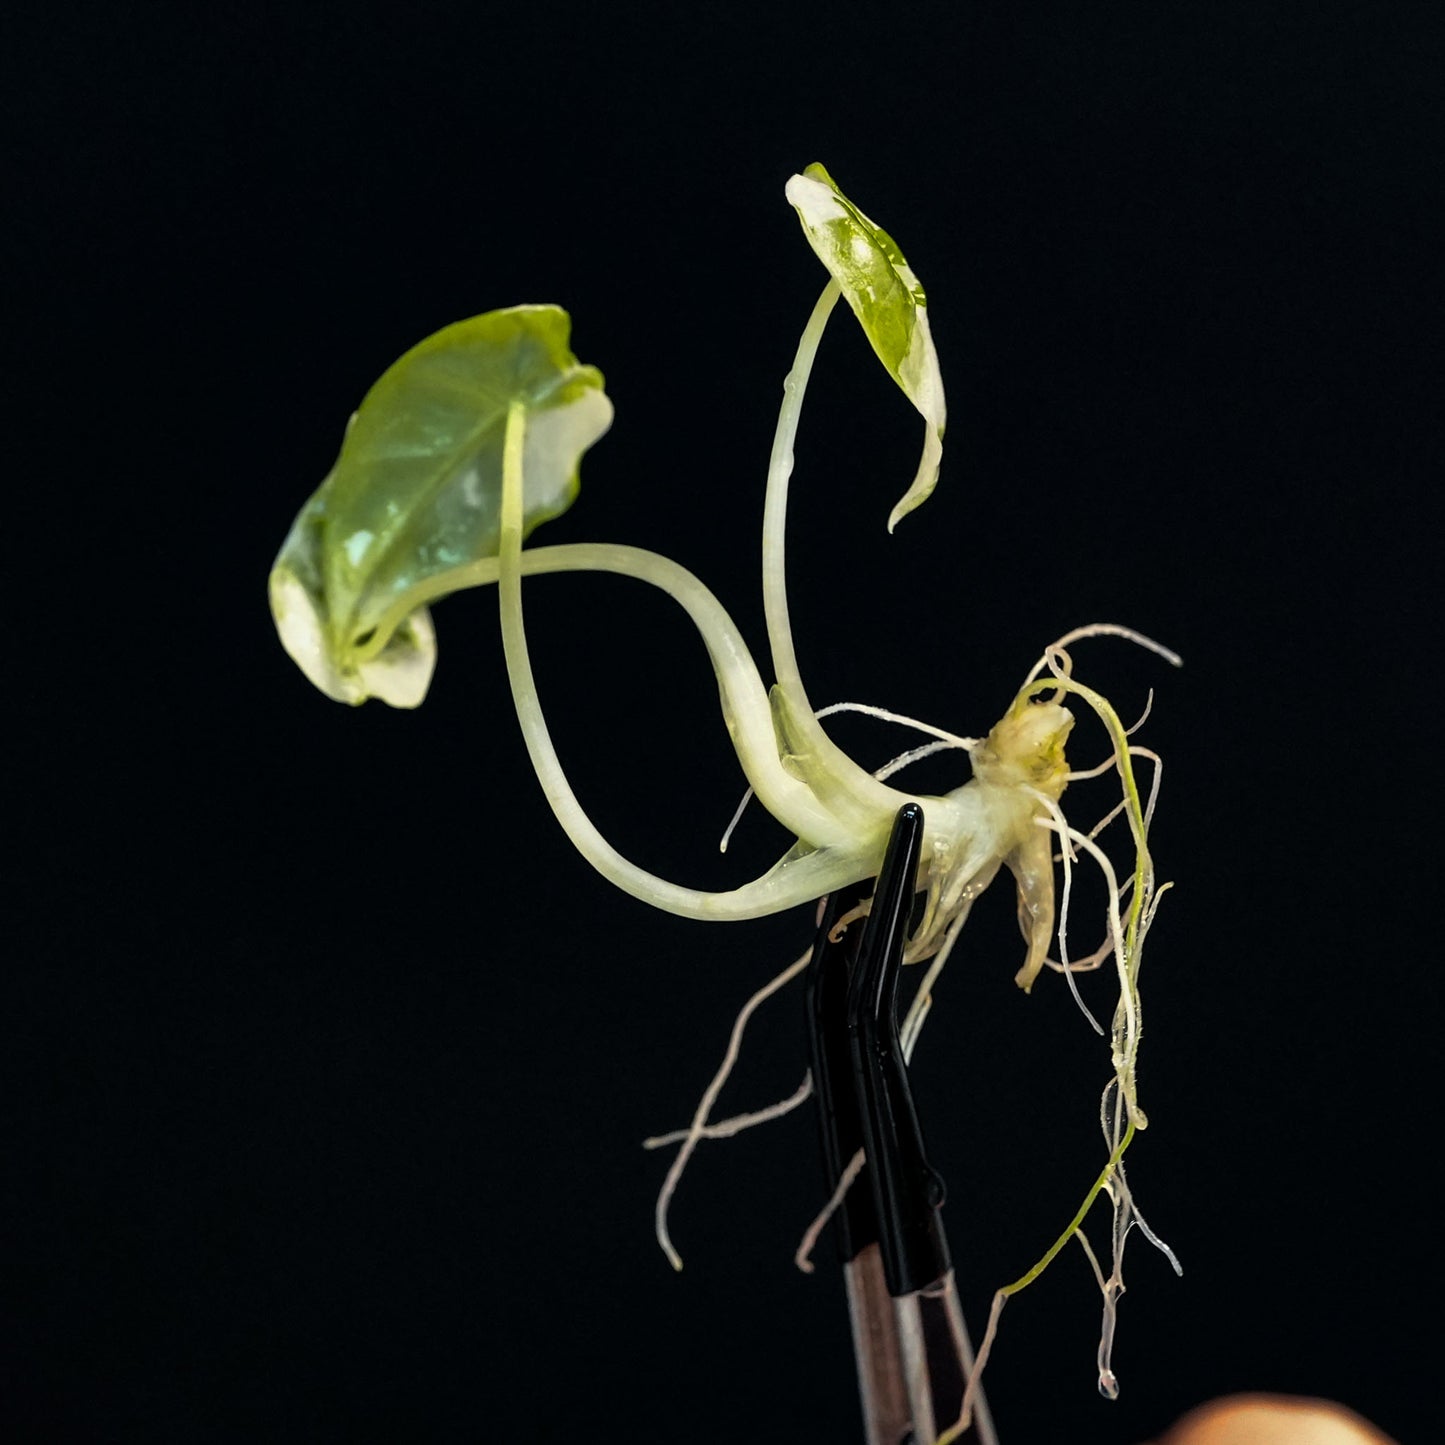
(1273, 1420)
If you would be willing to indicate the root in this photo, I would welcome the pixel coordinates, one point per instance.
(1058, 824)
(884, 715)
(709, 1098)
(1101, 629)
(1121, 1115)
(1104, 767)
(737, 818)
(728, 1128)
(913, 755)
(803, 1255)
(913, 1020)
(945, 741)
(861, 910)
(974, 1387)
(1088, 964)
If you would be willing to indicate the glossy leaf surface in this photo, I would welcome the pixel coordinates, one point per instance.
(888, 301)
(415, 496)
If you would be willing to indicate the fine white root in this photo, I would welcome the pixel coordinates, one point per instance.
(974, 1388)
(1142, 1225)
(803, 1256)
(913, 755)
(1087, 964)
(913, 1020)
(1111, 1288)
(980, 1417)
(1078, 776)
(885, 715)
(1155, 781)
(730, 1128)
(1125, 1049)
(736, 818)
(709, 1098)
(945, 741)
(1068, 857)
(1102, 629)
(1123, 803)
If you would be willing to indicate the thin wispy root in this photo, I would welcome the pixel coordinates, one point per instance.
(696, 1129)
(730, 1128)
(803, 1255)
(944, 742)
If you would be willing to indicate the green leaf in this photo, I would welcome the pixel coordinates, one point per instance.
(887, 299)
(415, 496)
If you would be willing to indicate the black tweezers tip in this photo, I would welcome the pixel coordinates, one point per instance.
(860, 1078)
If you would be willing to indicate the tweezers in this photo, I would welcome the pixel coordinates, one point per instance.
(909, 1340)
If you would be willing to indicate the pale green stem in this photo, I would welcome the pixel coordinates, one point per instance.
(794, 880)
(744, 700)
(850, 791)
(775, 508)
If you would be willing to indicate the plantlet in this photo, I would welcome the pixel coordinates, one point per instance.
(473, 439)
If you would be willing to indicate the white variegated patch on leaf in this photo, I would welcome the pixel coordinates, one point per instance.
(888, 301)
(415, 496)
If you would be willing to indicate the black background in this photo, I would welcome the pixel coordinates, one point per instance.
(325, 1057)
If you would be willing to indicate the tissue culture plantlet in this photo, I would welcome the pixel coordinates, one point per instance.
(473, 439)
